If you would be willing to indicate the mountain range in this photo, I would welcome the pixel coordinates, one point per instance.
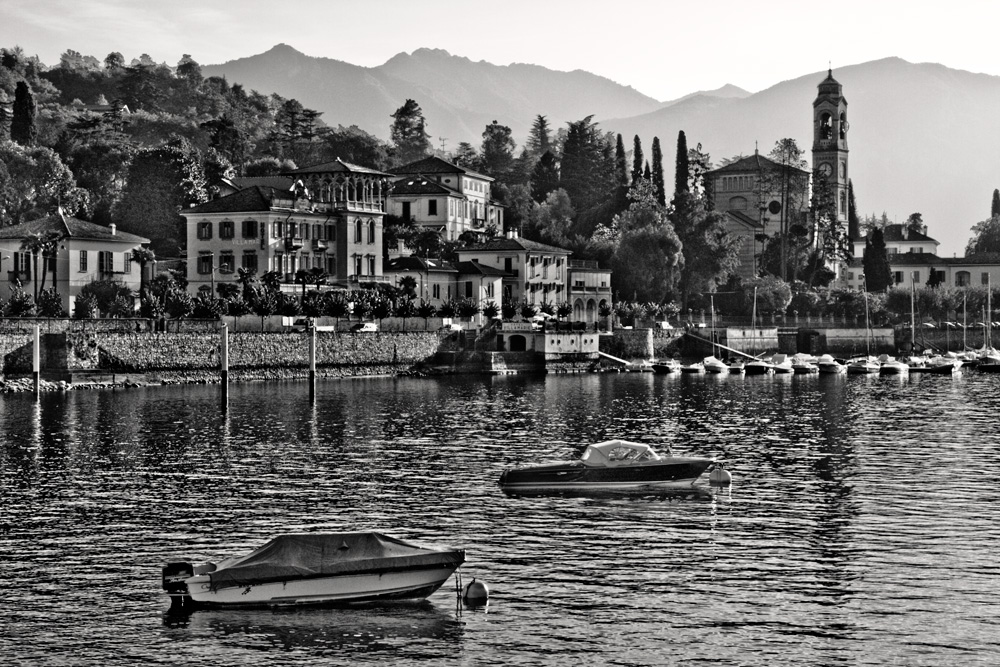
(922, 136)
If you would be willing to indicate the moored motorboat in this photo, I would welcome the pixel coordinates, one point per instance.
(827, 364)
(891, 366)
(713, 365)
(804, 364)
(758, 367)
(782, 364)
(612, 466)
(696, 367)
(666, 366)
(315, 569)
(863, 366)
(736, 366)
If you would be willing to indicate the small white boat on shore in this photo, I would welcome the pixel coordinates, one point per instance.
(315, 569)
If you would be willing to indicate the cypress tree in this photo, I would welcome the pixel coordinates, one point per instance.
(645, 172)
(621, 176)
(995, 211)
(22, 124)
(853, 224)
(637, 159)
(682, 172)
(659, 186)
(878, 274)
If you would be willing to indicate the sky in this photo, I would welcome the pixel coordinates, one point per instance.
(662, 48)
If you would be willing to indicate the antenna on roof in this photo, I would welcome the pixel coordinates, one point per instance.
(443, 141)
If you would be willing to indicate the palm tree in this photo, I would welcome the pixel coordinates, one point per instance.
(35, 244)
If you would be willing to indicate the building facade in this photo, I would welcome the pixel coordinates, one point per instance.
(84, 253)
(534, 273)
(330, 220)
(439, 195)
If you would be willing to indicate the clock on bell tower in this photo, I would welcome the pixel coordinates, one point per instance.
(829, 150)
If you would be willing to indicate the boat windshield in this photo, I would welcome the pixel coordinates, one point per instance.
(617, 452)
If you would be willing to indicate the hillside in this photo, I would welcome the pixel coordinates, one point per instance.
(459, 97)
(923, 137)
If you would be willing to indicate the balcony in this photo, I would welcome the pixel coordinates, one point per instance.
(293, 243)
(320, 245)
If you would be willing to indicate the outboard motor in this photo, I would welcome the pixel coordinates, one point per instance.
(174, 575)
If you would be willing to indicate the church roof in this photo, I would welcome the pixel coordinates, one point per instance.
(744, 219)
(753, 163)
(69, 227)
(436, 165)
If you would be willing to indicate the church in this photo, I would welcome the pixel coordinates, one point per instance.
(761, 198)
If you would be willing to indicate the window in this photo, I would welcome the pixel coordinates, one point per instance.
(432, 207)
(371, 265)
(916, 277)
(250, 260)
(985, 278)
(331, 265)
(850, 275)
(227, 263)
(128, 262)
(205, 263)
(226, 229)
(436, 291)
(275, 230)
(371, 231)
(83, 261)
(22, 262)
(357, 230)
(357, 265)
(331, 233)
(105, 261)
(897, 277)
(249, 229)
(204, 230)
(279, 262)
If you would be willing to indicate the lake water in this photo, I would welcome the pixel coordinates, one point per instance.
(861, 528)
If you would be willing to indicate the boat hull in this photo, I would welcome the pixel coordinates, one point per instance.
(679, 473)
(331, 590)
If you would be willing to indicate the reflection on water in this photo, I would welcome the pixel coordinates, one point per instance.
(859, 529)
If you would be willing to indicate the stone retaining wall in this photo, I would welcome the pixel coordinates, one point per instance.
(628, 344)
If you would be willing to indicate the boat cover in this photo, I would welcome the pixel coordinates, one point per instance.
(615, 452)
(310, 555)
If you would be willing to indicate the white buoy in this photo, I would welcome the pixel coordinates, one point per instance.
(720, 476)
(476, 592)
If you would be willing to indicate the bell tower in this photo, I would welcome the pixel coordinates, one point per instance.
(829, 150)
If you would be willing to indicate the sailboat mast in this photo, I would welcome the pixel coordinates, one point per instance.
(753, 321)
(965, 322)
(913, 316)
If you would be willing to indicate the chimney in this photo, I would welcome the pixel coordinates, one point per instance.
(906, 232)
(114, 229)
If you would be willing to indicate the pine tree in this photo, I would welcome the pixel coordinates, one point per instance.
(995, 210)
(544, 177)
(409, 134)
(538, 139)
(661, 195)
(22, 124)
(637, 159)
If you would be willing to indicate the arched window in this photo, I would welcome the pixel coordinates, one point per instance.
(963, 279)
(843, 125)
(371, 231)
(825, 126)
(357, 230)
(738, 204)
